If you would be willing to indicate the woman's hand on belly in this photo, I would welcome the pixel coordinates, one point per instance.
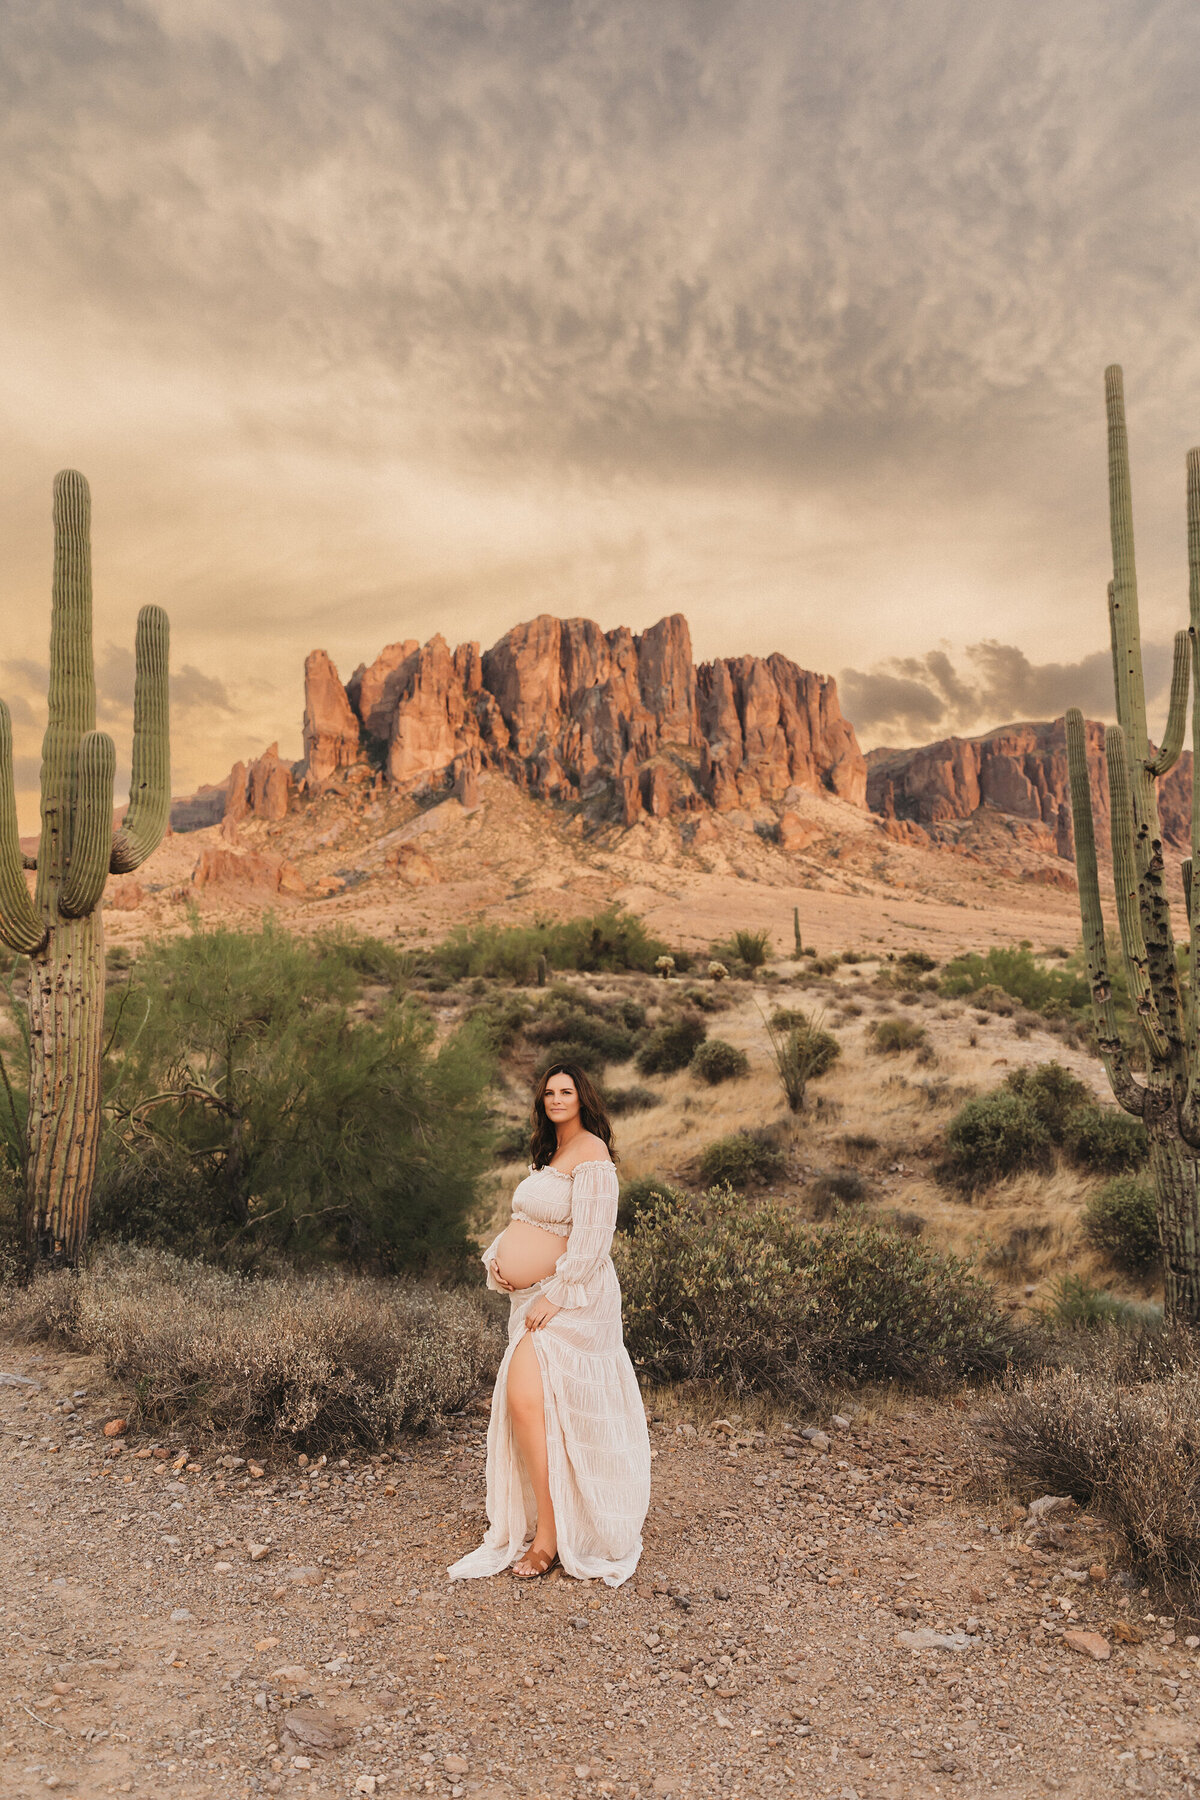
(498, 1278)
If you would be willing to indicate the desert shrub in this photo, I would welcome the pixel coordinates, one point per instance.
(612, 939)
(672, 1044)
(1052, 1091)
(241, 1083)
(1122, 1221)
(1076, 1303)
(706, 999)
(317, 1363)
(716, 1061)
(918, 961)
(1016, 970)
(503, 1017)
(741, 1159)
(631, 1099)
(995, 1135)
(716, 1291)
(1106, 1141)
(563, 1020)
(752, 948)
(571, 1050)
(802, 1050)
(1126, 1447)
(838, 1188)
(889, 1037)
(641, 1195)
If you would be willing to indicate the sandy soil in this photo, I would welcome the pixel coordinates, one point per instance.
(758, 1649)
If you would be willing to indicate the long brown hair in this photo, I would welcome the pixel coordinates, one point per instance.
(543, 1143)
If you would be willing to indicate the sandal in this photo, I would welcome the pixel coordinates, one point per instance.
(541, 1564)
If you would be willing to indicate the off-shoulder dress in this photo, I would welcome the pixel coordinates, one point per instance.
(596, 1437)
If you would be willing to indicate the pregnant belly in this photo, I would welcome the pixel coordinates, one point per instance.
(526, 1253)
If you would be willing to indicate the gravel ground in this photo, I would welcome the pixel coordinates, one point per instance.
(175, 1624)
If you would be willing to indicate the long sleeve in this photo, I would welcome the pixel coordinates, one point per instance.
(593, 1221)
(486, 1260)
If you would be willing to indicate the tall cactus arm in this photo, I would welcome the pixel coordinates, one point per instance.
(150, 787)
(72, 695)
(1125, 881)
(1189, 1112)
(21, 925)
(1127, 641)
(1185, 869)
(1129, 1092)
(87, 867)
(1181, 668)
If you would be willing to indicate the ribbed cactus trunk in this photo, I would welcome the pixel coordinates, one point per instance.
(60, 928)
(1168, 1099)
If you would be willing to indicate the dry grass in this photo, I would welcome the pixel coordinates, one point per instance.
(883, 1116)
(1121, 1435)
(317, 1363)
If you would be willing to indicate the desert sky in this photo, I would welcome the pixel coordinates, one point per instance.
(393, 317)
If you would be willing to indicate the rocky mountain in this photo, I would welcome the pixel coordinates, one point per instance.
(627, 724)
(1019, 771)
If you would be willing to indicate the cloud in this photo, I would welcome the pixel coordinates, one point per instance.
(192, 688)
(923, 697)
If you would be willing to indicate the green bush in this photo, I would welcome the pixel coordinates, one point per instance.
(1055, 1095)
(802, 1050)
(742, 1158)
(612, 939)
(995, 1135)
(672, 1044)
(716, 1061)
(564, 1021)
(1015, 969)
(641, 1195)
(829, 1193)
(1106, 1141)
(890, 1037)
(716, 1291)
(248, 1102)
(753, 948)
(1122, 1221)
(569, 1050)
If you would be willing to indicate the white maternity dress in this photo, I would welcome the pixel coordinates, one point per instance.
(596, 1437)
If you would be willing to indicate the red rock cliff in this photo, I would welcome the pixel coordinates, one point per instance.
(574, 712)
(1020, 770)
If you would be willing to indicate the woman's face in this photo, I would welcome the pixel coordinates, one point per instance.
(560, 1100)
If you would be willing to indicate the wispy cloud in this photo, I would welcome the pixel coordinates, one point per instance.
(793, 313)
(926, 696)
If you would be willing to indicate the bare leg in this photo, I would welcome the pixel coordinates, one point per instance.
(526, 1409)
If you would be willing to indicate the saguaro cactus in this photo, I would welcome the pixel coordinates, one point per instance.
(60, 927)
(1168, 1011)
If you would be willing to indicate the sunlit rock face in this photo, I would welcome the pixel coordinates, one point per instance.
(626, 724)
(1019, 771)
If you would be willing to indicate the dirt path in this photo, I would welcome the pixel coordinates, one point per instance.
(148, 1652)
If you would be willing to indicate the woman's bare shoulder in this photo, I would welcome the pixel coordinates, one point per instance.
(587, 1148)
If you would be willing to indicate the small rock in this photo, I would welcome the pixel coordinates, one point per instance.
(840, 1422)
(720, 1593)
(302, 1762)
(51, 1781)
(927, 1639)
(1098, 1572)
(455, 1765)
(305, 1577)
(581, 1771)
(291, 1675)
(258, 1551)
(223, 1568)
(365, 1784)
(115, 1427)
(181, 1616)
(1088, 1643)
(256, 1471)
(1050, 1504)
(818, 1439)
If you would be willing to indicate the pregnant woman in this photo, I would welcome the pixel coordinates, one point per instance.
(568, 1454)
